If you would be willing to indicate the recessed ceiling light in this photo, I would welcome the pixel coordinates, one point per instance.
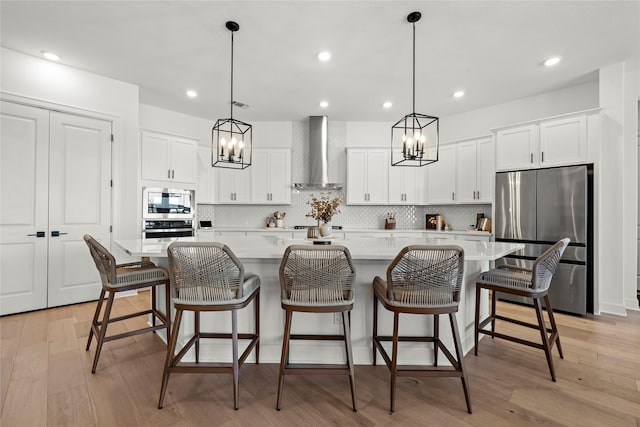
(387, 104)
(458, 94)
(324, 104)
(552, 61)
(50, 56)
(324, 56)
(192, 93)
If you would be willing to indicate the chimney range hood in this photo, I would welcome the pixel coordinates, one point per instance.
(317, 166)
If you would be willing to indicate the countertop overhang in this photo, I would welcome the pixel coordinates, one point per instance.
(363, 248)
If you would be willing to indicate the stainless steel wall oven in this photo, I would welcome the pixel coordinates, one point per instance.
(167, 212)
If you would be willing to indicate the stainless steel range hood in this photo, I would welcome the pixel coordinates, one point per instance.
(317, 149)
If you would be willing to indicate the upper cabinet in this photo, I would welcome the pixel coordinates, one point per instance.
(233, 185)
(169, 158)
(441, 177)
(407, 185)
(551, 142)
(475, 171)
(206, 189)
(271, 176)
(367, 176)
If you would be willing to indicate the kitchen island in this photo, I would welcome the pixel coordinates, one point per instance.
(371, 255)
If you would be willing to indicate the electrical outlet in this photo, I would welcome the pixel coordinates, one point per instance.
(337, 318)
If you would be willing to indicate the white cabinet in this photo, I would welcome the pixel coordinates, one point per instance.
(55, 172)
(233, 186)
(407, 185)
(168, 158)
(563, 141)
(367, 176)
(475, 171)
(206, 188)
(271, 177)
(553, 142)
(441, 177)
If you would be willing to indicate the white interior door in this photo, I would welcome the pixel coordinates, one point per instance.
(24, 171)
(79, 203)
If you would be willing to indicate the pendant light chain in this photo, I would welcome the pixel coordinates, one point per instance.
(414, 68)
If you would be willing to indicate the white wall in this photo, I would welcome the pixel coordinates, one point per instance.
(79, 91)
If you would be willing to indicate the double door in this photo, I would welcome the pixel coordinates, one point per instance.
(55, 184)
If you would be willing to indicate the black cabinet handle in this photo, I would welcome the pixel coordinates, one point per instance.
(57, 234)
(38, 234)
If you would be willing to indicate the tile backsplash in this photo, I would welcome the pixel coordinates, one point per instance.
(364, 217)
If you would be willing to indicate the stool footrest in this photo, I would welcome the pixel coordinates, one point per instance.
(316, 369)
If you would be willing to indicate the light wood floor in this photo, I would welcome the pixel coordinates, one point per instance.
(46, 380)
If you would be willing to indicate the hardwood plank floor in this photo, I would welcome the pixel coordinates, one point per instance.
(46, 380)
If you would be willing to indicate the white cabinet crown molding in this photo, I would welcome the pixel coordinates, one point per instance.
(537, 121)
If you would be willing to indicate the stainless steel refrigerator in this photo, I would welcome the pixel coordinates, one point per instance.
(538, 208)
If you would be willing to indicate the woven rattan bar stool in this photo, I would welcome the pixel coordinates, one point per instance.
(421, 280)
(124, 277)
(207, 276)
(533, 283)
(317, 279)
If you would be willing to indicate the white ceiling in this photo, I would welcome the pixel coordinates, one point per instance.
(491, 49)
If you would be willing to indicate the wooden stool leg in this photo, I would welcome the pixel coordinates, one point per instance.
(394, 361)
(103, 331)
(171, 347)
(234, 345)
(477, 320)
(256, 305)
(96, 315)
(167, 307)
(543, 335)
(493, 314)
(554, 327)
(284, 356)
(375, 327)
(460, 356)
(346, 328)
(436, 336)
(196, 326)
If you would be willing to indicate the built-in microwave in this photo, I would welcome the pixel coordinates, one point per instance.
(168, 203)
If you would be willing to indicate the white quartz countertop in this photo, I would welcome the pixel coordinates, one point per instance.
(365, 248)
(344, 230)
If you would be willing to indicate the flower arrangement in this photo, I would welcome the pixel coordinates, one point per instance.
(323, 208)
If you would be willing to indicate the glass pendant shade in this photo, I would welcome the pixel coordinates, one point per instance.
(415, 137)
(231, 140)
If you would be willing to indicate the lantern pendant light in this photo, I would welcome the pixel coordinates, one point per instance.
(231, 144)
(415, 137)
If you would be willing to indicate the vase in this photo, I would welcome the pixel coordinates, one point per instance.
(325, 230)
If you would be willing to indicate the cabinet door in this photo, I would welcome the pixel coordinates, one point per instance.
(280, 176)
(377, 177)
(260, 182)
(441, 177)
(271, 176)
(517, 148)
(357, 177)
(24, 174)
(485, 170)
(407, 185)
(234, 186)
(466, 171)
(206, 188)
(156, 163)
(563, 141)
(184, 160)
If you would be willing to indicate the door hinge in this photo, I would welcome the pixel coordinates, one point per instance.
(111, 137)
(111, 183)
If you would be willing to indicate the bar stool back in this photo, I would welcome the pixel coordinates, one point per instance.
(531, 283)
(124, 277)
(207, 276)
(421, 280)
(317, 279)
